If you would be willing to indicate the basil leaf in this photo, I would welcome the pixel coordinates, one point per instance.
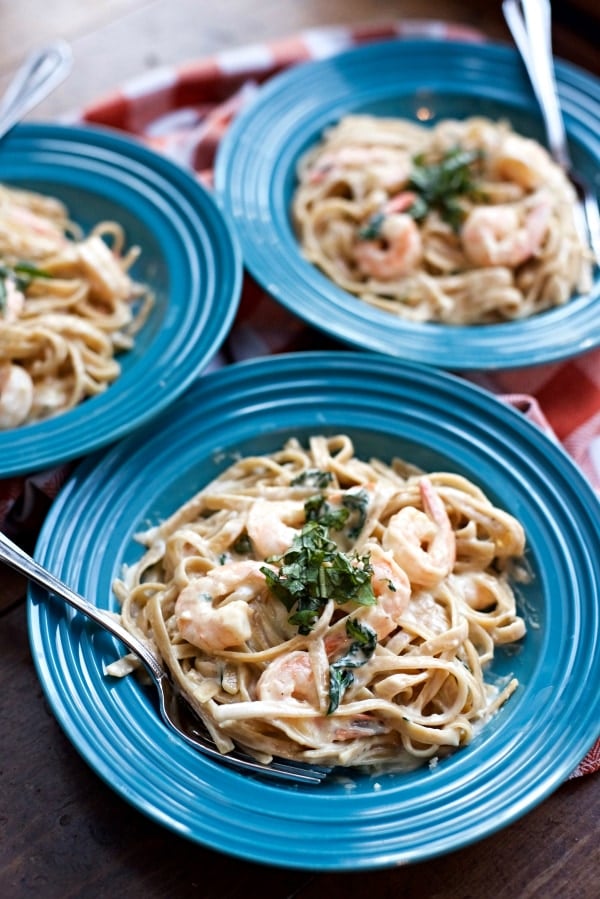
(30, 270)
(358, 654)
(243, 544)
(359, 504)
(339, 681)
(318, 509)
(372, 229)
(313, 477)
(22, 273)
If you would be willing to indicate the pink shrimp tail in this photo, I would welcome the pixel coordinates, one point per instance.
(401, 202)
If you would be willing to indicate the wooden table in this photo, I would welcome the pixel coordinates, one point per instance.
(64, 832)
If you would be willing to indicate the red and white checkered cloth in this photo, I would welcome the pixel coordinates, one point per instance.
(183, 112)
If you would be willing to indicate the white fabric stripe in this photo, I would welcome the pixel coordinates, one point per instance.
(422, 28)
(594, 451)
(173, 121)
(324, 42)
(150, 82)
(255, 57)
(590, 365)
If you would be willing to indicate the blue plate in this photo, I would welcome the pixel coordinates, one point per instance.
(189, 258)
(354, 822)
(255, 177)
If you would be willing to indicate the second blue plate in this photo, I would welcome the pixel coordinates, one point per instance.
(256, 176)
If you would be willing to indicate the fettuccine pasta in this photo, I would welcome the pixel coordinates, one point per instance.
(464, 222)
(319, 607)
(67, 307)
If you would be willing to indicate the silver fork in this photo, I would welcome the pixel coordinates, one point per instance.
(529, 22)
(174, 707)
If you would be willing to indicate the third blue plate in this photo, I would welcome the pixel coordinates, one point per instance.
(189, 259)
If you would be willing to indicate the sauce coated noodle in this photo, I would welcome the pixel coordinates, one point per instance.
(68, 306)
(465, 222)
(320, 607)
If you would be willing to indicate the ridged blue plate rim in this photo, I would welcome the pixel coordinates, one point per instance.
(254, 178)
(189, 257)
(354, 822)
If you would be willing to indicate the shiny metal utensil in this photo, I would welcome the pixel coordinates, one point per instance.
(529, 22)
(42, 71)
(174, 708)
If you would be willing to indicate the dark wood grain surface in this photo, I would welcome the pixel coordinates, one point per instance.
(63, 831)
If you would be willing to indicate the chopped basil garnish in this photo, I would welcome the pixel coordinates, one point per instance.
(22, 273)
(439, 185)
(372, 229)
(353, 512)
(318, 509)
(364, 641)
(313, 571)
(358, 503)
(243, 544)
(313, 477)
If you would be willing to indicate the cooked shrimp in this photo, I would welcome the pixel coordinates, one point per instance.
(14, 302)
(289, 676)
(16, 395)
(501, 235)
(27, 234)
(523, 161)
(268, 525)
(400, 202)
(318, 731)
(391, 587)
(422, 542)
(398, 251)
(384, 166)
(213, 627)
(359, 726)
(103, 270)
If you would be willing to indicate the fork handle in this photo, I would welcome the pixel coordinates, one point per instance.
(42, 71)
(530, 25)
(17, 558)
